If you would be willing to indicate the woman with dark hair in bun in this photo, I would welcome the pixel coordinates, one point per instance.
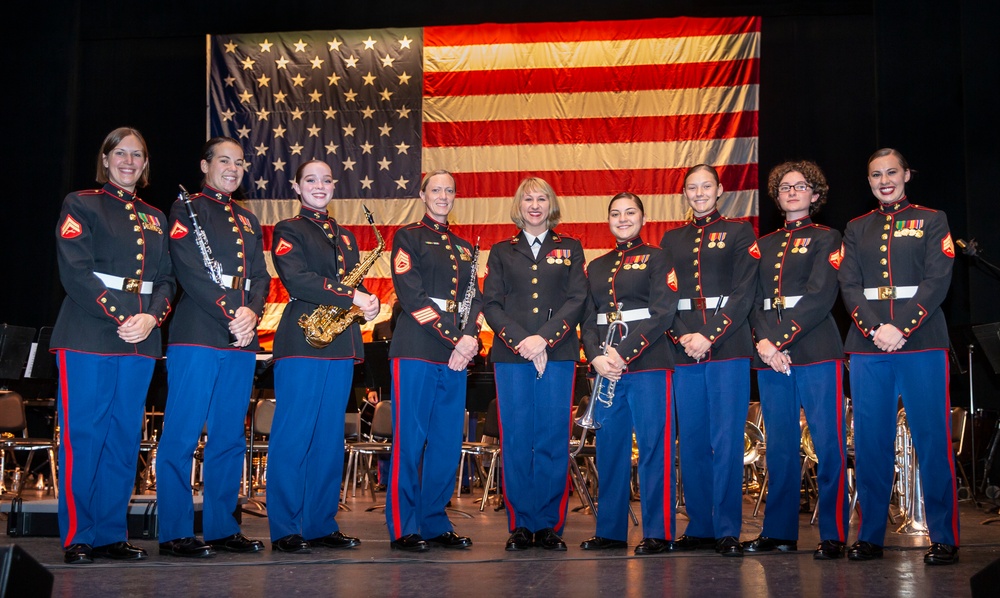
(634, 283)
(895, 273)
(211, 358)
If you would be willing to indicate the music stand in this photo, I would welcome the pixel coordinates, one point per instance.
(41, 363)
(988, 336)
(15, 344)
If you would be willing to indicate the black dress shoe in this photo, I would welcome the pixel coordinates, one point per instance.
(864, 551)
(336, 540)
(292, 543)
(450, 540)
(729, 546)
(941, 554)
(686, 542)
(411, 542)
(765, 544)
(120, 551)
(599, 543)
(548, 539)
(520, 539)
(78, 554)
(829, 550)
(188, 547)
(236, 543)
(652, 546)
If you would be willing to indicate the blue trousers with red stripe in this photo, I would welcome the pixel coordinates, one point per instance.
(305, 453)
(100, 411)
(818, 390)
(428, 406)
(535, 426)
(921, 378)
(712, 402)
(642, 402)
(205, 386)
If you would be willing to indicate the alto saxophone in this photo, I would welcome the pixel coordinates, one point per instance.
(326, 322)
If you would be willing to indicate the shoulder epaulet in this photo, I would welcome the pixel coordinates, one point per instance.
(865, 215)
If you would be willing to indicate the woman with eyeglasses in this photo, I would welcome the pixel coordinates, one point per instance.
(799, 362)
(716, 262)
(895, 273)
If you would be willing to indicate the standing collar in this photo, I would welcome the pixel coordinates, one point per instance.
(797, 224)
(895, 206)
(117, 192)
(215, 194)
(632, 243)
(707, 218)
(434, 224)
(312, 214)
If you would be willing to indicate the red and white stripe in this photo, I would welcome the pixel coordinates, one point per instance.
(594, 108)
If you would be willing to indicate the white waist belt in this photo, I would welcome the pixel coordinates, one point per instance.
(700, 303)
(129, 285)
(883, 293)
(629, 315)
(782, 302)
(447, 305)
(235, 282)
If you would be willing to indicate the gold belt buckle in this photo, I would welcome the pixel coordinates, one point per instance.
(131, 285)
(450, 306)
(699, 303)
(778, 302)
(613, 316)
(885, 293)
(238, 283)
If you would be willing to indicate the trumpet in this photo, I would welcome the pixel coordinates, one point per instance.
(604, 390)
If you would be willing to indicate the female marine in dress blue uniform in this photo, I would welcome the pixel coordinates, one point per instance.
(716, 264)
(312, 253)
(895, 273)
(432, 270)
(636, 284)
(800, 362)
(534, 294)
(209, 374)
(115, 268)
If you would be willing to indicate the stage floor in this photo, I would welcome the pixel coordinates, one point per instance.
(372, 569)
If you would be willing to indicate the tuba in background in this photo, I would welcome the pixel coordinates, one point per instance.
(908, 487)
(326, 322)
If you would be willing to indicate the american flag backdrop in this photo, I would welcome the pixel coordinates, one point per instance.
(594, 108)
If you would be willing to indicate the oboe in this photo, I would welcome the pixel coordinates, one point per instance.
(212, 265)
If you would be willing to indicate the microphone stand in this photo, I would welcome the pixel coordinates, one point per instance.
(971, 249)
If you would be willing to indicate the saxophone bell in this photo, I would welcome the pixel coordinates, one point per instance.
(327, 322)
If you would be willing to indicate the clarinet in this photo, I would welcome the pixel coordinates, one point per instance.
(212, 265)
(470, 291)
